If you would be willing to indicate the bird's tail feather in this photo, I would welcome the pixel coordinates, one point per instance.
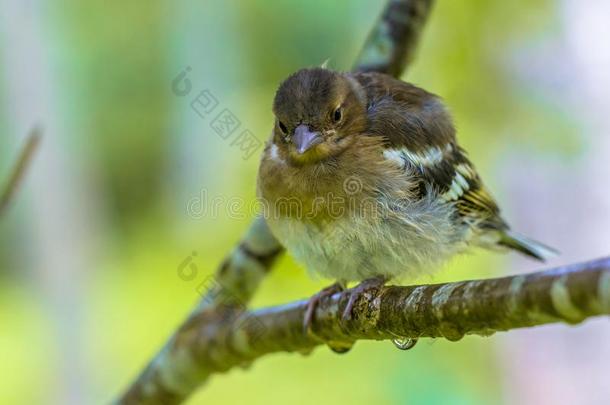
(527, 246)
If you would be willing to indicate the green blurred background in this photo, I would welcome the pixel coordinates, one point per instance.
(90, 248)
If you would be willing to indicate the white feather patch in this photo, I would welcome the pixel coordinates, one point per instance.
(430, 157)
(396, 156)
(466, 171)
(458, 187)
(273, 155)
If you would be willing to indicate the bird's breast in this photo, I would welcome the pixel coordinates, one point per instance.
(321, 193)
(356, 216)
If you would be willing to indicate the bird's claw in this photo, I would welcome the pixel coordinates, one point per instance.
(315, 300)
(366, 285)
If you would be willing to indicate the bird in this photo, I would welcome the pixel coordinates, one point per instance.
(362, 180)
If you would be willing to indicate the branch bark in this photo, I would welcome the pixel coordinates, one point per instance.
(216, 341)
(392, 43)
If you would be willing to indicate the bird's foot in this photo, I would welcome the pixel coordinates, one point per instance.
(315, 300)
(365, 286)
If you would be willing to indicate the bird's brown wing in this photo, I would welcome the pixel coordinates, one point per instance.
(419, 134)
(448, 174)
(473, 201)
(405, 115)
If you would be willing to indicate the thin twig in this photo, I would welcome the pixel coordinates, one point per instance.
(23, 162)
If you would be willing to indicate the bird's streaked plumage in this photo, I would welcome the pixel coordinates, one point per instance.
(382, 153)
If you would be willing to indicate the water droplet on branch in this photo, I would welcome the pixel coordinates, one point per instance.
(404, 343)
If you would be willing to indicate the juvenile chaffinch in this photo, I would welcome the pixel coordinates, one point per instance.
(363, 180)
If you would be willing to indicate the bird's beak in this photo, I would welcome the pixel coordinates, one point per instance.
(304, 139)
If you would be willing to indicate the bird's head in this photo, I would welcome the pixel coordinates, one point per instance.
(318, 113)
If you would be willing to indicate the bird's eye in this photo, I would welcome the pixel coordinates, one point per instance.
(337, 114)
(283, 127)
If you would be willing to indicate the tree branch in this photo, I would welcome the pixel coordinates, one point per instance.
(23, 162)
(216, 341)
(391, 45)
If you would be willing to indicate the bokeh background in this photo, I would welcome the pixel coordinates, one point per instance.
(90, 248)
